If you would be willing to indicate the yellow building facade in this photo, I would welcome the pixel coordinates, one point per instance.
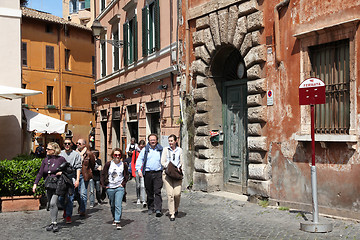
(58, 59)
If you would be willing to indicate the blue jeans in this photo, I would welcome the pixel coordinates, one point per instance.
(115, 196)
(69, 205)
(83, 186)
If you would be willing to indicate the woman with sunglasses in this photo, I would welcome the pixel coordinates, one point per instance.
(49, 169)
(172, 154)
(114, 177)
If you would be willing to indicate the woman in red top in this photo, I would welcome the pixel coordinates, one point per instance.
(140, 185)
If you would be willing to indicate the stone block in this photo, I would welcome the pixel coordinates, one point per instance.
(216, 153)
(202, 131)
(259, 171)
(202, 81)
(255, 100)
(202, 142)
(223, 16)
(202, 107)
(257, 157)
(198, 38)
(255, 55)
(214, 26)
(199, 67)
(256, 86)
(209, 42)
(208, 165)
(255, 72)
(240, 32)
(207, 182)
(258, 187)
(246, 45)
(202, 23)
(201, 119)
(200, 94)
(233, 17)
(254, 129)
(255, 21)
(257, 114)
(256, 38)
(248, 7)
(201, 52)
(257, 143)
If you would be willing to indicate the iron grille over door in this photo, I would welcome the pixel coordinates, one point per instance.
(330, 63)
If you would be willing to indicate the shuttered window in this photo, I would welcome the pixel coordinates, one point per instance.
(130, 41)
(330, 63)
(50, 95)
(67, 59)
(24, 53)
(116, 51)
(151, 28)
(103, 59)
(49, 57)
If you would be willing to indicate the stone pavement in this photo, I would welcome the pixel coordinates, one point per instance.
(201, 216)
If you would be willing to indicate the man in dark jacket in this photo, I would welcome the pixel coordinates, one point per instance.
(88, 165)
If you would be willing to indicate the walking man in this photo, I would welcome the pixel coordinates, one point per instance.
(149, 166)
(74, 159)
(87, 167)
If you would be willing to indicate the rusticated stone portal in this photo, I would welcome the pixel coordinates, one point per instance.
(218, 34)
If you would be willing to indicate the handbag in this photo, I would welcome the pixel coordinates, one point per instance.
(51, 182)
(173, 172)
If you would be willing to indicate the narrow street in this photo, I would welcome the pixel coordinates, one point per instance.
(201, 216)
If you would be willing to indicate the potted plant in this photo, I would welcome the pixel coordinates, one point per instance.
(18, 176)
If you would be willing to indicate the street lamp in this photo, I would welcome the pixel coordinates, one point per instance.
(97, 29)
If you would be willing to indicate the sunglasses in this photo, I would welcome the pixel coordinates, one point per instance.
(48, 149)
(78, 144)
(117, 155)
(67, 143)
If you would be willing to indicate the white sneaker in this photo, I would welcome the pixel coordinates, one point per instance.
(138, 202)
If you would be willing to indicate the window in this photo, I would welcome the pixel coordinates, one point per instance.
(130, 41)
(330, 63)
(48, 28)
(73, 6)
(81, 4)
(49, 57)
(67, 30)
(116, 51)
(67, 59)
(93, 65)
(103, 58)
(67, 96)
(24, 53)
(50, 95)
(102, 4)
(151, 28)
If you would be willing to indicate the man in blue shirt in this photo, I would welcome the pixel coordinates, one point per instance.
(148, 165)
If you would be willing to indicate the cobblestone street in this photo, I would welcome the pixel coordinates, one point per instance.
(201, 216)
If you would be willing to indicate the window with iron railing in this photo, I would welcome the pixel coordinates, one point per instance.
(330, 63)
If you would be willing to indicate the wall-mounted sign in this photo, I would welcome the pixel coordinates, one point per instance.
(270, 97)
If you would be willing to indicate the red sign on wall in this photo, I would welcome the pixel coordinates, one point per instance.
(311, 92)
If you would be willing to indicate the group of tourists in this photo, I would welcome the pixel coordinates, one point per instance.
(68, 173)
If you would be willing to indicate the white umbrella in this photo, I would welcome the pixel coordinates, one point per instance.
(43, 124)
(11, 93)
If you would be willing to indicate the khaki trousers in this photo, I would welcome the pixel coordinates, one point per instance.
(173, 191)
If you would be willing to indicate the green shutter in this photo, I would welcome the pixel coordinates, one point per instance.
(135, 39)
(87, 4)
(157, 26)
(126, 43)
(144, 31)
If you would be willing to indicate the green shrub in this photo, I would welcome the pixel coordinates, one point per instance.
(18, 176)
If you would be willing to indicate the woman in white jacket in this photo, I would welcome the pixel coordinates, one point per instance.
(174, 155)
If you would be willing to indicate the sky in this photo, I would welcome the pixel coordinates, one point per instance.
(51, 6)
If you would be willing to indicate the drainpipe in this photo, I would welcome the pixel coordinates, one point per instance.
(187, 44)
(277, 8)
(60, 71)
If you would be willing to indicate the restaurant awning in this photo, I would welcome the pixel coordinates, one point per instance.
(43, 124)
(10, 93)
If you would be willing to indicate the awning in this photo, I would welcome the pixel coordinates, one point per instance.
(11, 93)
(41, 123)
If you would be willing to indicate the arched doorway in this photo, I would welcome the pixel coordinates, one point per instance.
(229, 72)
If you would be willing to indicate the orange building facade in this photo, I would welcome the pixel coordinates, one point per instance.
(137, 88)
(57, 59)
